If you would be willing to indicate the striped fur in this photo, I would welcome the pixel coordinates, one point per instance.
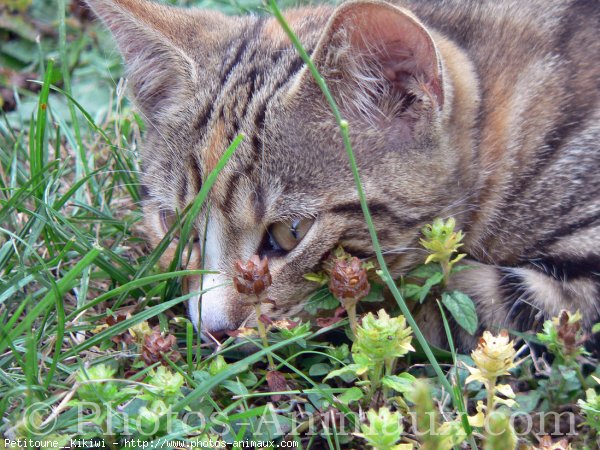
(483, 110)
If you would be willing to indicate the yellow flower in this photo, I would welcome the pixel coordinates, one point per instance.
(478, 420)
(383, 338)
(494, 356)
(100, 328)
(384, 430)
(507, 392)
(547, 444)
(442, 241)
(140, 331)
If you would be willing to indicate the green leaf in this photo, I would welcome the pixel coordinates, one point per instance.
(433, 280)
(416, 292)
(322, 299)
(319, 369)
(462, 267)
(462, 309)
(596, 328)
(217, 365)
(351, 395)
(317, 277)
(527, 402)
(235, 387)
(404, 382)
(411, 291)
(375, 294)
(349, 369)
(425, 271)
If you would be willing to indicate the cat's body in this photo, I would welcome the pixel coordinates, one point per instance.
(485, 111)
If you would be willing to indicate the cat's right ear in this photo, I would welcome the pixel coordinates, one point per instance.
(161, 48)
(379, 59)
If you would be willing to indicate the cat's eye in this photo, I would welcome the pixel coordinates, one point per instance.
(170, 219)
(286, 235)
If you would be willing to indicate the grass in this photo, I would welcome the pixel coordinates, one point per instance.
(79, 289)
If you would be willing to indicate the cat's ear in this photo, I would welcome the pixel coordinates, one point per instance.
(382, 53)
(157, 44)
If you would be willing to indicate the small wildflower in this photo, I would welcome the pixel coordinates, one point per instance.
(159, 348)
(140, 331)
(547, 444)
(494, 356)
(590, 407)
(168, 384)
(97, 384)
(253, 277)
(383, 338)
(442, 242)
(500, 434)
(384, 430)
(564, 336)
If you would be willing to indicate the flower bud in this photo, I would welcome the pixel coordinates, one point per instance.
(253, 277)
(348, 281)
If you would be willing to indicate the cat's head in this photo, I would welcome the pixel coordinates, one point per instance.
(200, 79)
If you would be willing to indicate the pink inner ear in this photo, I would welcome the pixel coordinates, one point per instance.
(402, 45)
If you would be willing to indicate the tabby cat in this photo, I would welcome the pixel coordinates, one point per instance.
(483, 110)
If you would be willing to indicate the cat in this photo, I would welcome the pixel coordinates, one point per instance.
(482, 110)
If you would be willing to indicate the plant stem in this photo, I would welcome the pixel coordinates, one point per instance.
(491, 390)
(351, 310)
(389, 370)
(446, 272)
(263, 333)
(375, 381)
(580, 376)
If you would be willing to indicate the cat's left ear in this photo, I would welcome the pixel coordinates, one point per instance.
(162, 47)
(380, 49)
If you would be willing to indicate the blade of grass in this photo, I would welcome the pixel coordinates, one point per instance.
(134, 284)
(64, 63)
(460, 404)
(239, 366)
(344, 129)
(43, 305)
(123, 326)
(38, 157)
